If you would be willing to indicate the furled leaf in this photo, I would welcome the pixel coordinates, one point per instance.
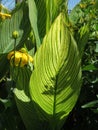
(56, 79)
(53, 8)
(18, 22)
(48, 10)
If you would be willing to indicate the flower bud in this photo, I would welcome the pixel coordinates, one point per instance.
(15, 34)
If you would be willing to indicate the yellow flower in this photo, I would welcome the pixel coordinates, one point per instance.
(23, 50)
(18, 58)
(4, 15)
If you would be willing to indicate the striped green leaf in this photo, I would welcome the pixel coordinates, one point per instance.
(56, 80)
(48, 10)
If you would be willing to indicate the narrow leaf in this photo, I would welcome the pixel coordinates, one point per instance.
(33, 20)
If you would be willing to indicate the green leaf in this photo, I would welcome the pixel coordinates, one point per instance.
(33, 20)
(96, 26)
(91, 104)
(56, 79)
(96, 49)
(4, 65)
(41, 12)
(18, 22)
(89, 67)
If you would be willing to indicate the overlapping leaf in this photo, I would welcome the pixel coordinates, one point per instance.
(18, 22)
(56, 80)
(34, 19)
(22, 97)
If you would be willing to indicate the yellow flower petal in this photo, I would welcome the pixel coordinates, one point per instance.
(5, 15)
(16, 59)
(10, 55)
(31, 59)
(24, 59)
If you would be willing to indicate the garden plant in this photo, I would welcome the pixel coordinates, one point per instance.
(48, 65)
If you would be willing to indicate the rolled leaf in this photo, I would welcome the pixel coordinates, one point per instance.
(56, 80)
(48, 10)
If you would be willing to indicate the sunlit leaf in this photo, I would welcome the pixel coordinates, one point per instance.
(56, 79)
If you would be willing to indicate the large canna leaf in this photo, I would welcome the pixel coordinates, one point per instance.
(56, 80)
(18, 22)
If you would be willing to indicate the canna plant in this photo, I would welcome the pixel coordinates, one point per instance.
(47, 85)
